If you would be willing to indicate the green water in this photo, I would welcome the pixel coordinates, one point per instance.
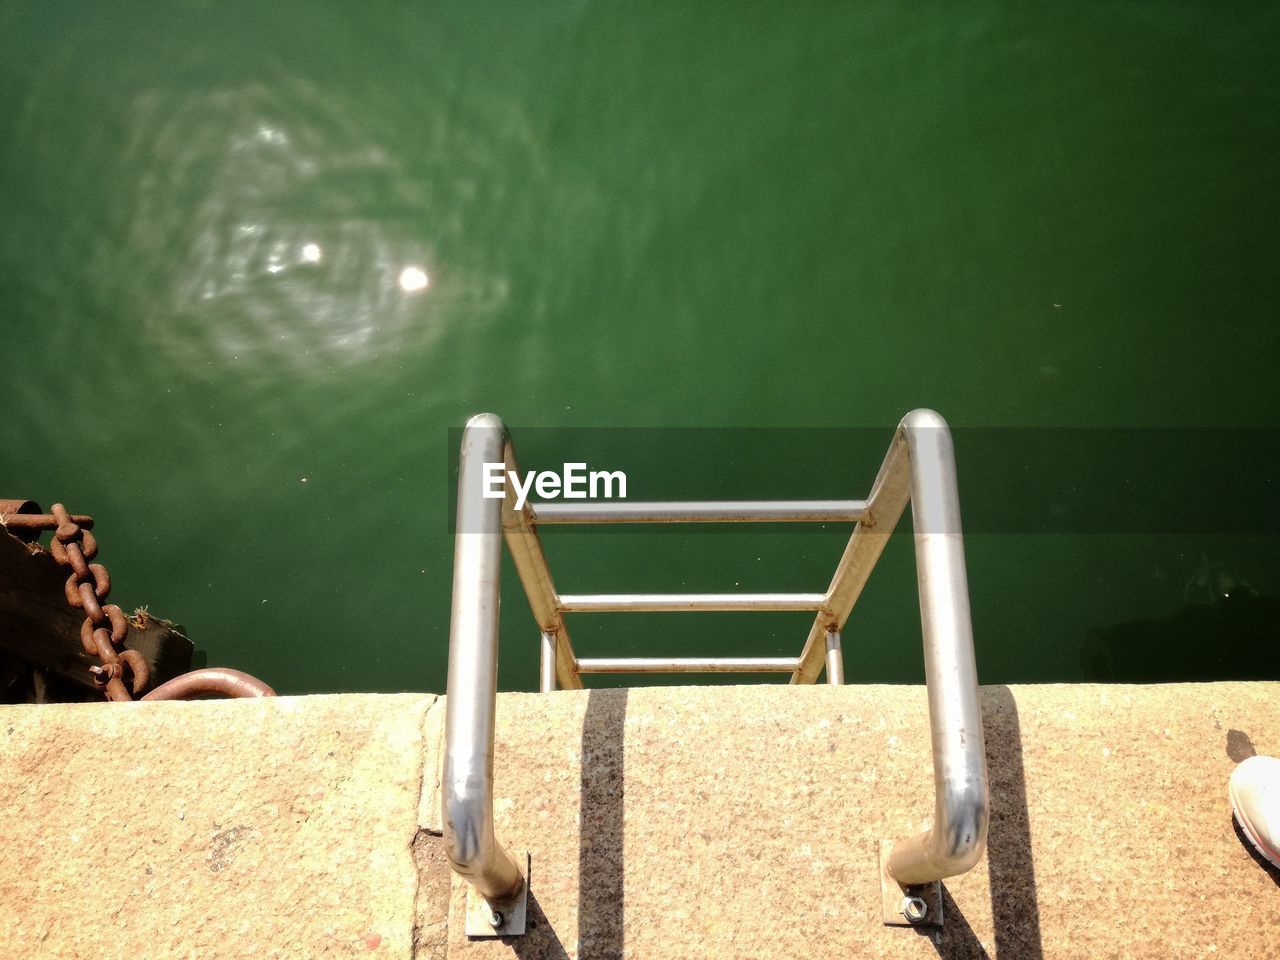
(682, 215)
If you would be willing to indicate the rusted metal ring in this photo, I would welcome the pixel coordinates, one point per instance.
(69, 555)
(119, 623)
(105, 673)
(101, 580)
(72, 590)
(87, 627)
(10, 510)
(75, 557)
(88, 602)
(67, 529)
(102, 645)
(214, 680)
(80, 594)
(138, 667)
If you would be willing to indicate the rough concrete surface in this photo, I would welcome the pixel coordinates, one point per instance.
(267, 828)
(744, 822)
(662, 822)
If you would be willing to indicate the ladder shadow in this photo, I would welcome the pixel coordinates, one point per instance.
(601, 904)
(601, 853)
(541, 941)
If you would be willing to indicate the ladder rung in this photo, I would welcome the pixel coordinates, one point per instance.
(688, 665)
(701, 511)
(655, 602)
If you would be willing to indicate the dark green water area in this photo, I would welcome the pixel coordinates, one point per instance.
(257, 260)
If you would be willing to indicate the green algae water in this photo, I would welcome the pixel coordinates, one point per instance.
(257, 261)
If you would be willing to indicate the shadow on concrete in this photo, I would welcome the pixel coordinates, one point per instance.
(1267, 867)
(1239, 746)
(1015, 912)
(601, 853)
(956, 941)
(1014, 906)
(540, 941)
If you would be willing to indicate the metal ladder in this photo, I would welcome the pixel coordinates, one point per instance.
(919, 469)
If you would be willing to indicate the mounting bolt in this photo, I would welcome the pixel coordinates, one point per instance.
(914, 909)
(495, 919)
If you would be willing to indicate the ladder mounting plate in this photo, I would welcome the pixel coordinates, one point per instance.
(513, 911)
(892, 895)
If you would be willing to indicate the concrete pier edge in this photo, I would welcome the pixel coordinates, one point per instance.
(662, 822)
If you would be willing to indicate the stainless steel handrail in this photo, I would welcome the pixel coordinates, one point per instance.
(958, 836)
(467, 787)
(919, 469)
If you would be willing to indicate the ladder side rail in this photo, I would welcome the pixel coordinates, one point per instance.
(467, 788)
(885, 505)
(958, 836)
(560, 665)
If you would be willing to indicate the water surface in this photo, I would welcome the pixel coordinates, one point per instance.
(258, 259)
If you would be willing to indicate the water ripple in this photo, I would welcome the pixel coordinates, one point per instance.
(283, 252)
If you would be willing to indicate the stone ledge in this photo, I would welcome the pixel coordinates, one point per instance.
(745, 822)
(663, 822)
(266, 828)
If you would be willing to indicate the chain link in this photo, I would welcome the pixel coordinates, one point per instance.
(105, 627)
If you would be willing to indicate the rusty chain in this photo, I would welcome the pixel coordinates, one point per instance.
(88, 584)
(105, 627)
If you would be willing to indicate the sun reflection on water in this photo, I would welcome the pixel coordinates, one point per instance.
(413, 279)
(286, 252)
